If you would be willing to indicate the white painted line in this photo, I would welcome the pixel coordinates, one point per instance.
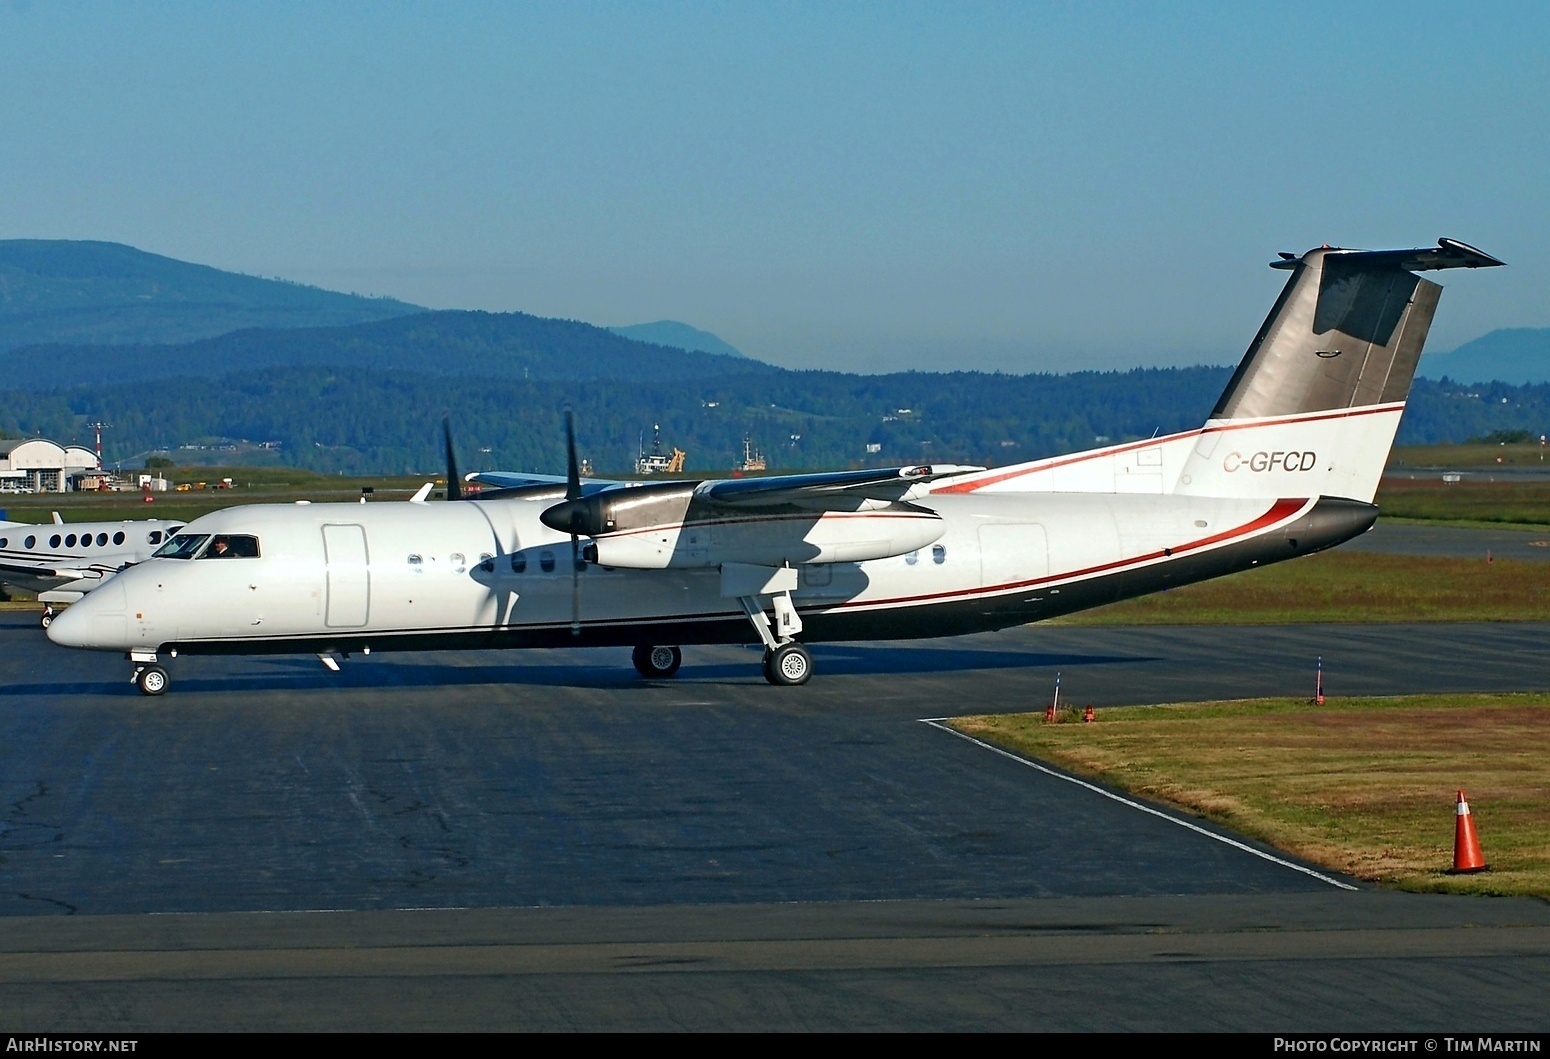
(935, 722)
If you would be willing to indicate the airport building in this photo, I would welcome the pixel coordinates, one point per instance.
(37, 465)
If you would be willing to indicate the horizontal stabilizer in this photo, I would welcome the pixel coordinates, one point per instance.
(1448, 253)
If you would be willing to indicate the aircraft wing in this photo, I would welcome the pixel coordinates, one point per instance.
(515, 480)
(891, 483)
(37, 577)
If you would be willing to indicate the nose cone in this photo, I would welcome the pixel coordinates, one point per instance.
(97, 622)
(71, 626)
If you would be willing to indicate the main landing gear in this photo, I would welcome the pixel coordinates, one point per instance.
(788, 665)
(150, 676)
(657, 663)
(48, 615)
(786, 662)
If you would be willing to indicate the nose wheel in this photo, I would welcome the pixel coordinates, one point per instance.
(151, 679)
(657, 663)
(788, 665)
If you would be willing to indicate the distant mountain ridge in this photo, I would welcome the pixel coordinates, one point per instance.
(80, 292)
(678, 335)
(1514, 355)
(450, 343)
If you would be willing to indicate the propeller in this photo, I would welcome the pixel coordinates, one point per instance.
(454, 483)
(572, 493)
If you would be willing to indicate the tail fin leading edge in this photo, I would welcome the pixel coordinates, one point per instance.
(1315, 403)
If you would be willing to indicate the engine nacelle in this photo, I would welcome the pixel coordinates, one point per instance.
(771, 540)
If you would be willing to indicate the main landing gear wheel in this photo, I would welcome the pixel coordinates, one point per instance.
(152, 679)
(788, 665)
(48, 617)
(657, 663)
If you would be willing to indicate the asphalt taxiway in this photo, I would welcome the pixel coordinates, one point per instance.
(582, 846)
(1455, 542)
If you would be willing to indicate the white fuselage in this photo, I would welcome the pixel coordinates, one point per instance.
(347, 576)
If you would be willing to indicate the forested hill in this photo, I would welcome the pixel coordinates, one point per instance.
(382, 421)
(68, 291)
(354, 420)
(489, 345)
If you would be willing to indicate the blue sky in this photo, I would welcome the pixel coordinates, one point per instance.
(866, 186)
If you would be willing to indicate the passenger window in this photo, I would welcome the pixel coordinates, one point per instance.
(4, 542)
(518, 562)
(417, 563)
(912, 558)
(70, 541)
(938, 554)
(118, 538)
(53, 542)
(102, 540)
(458, 562)
(546, 562)
(29, 542)
(487, 563)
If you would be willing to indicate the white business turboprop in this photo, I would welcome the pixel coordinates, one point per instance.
(1287, 464)
(62, 562)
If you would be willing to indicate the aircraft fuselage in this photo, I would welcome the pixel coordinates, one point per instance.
(472, 574)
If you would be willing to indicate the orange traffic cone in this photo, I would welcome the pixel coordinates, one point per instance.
(1466, 842)
(1087, 715)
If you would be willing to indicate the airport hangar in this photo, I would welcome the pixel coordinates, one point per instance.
(37, 465)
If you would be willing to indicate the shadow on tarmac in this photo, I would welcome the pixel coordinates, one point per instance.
(304, 673)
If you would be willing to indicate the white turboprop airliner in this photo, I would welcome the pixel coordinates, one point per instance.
(62, 562)
(1288, 463)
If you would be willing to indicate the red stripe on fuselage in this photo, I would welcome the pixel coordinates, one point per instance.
(1279, 511)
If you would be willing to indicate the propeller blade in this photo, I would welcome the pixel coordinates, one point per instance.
(454, 483)
(575, 586)
(572, 466)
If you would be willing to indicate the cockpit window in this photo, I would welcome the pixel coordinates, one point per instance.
(231, 546)
(153, 537)
(183, 546)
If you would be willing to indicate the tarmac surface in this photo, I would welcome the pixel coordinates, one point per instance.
(1410, 538)
(589, 850)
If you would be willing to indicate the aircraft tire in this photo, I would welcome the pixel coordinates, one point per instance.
(152, 680)
(656, 663)
(48, 617)
(788, 665)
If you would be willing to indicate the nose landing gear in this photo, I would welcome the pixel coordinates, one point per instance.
(150, 676)
(151, 679)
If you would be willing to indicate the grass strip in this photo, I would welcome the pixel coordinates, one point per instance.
(1363, 786)
(1479, 501)
(1346, 587)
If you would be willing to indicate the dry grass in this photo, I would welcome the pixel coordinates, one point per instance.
(1341, 586)
(1361, 786)
(1475, 455)
(1474, 502)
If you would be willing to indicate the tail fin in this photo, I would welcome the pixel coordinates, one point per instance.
(1313, 408)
